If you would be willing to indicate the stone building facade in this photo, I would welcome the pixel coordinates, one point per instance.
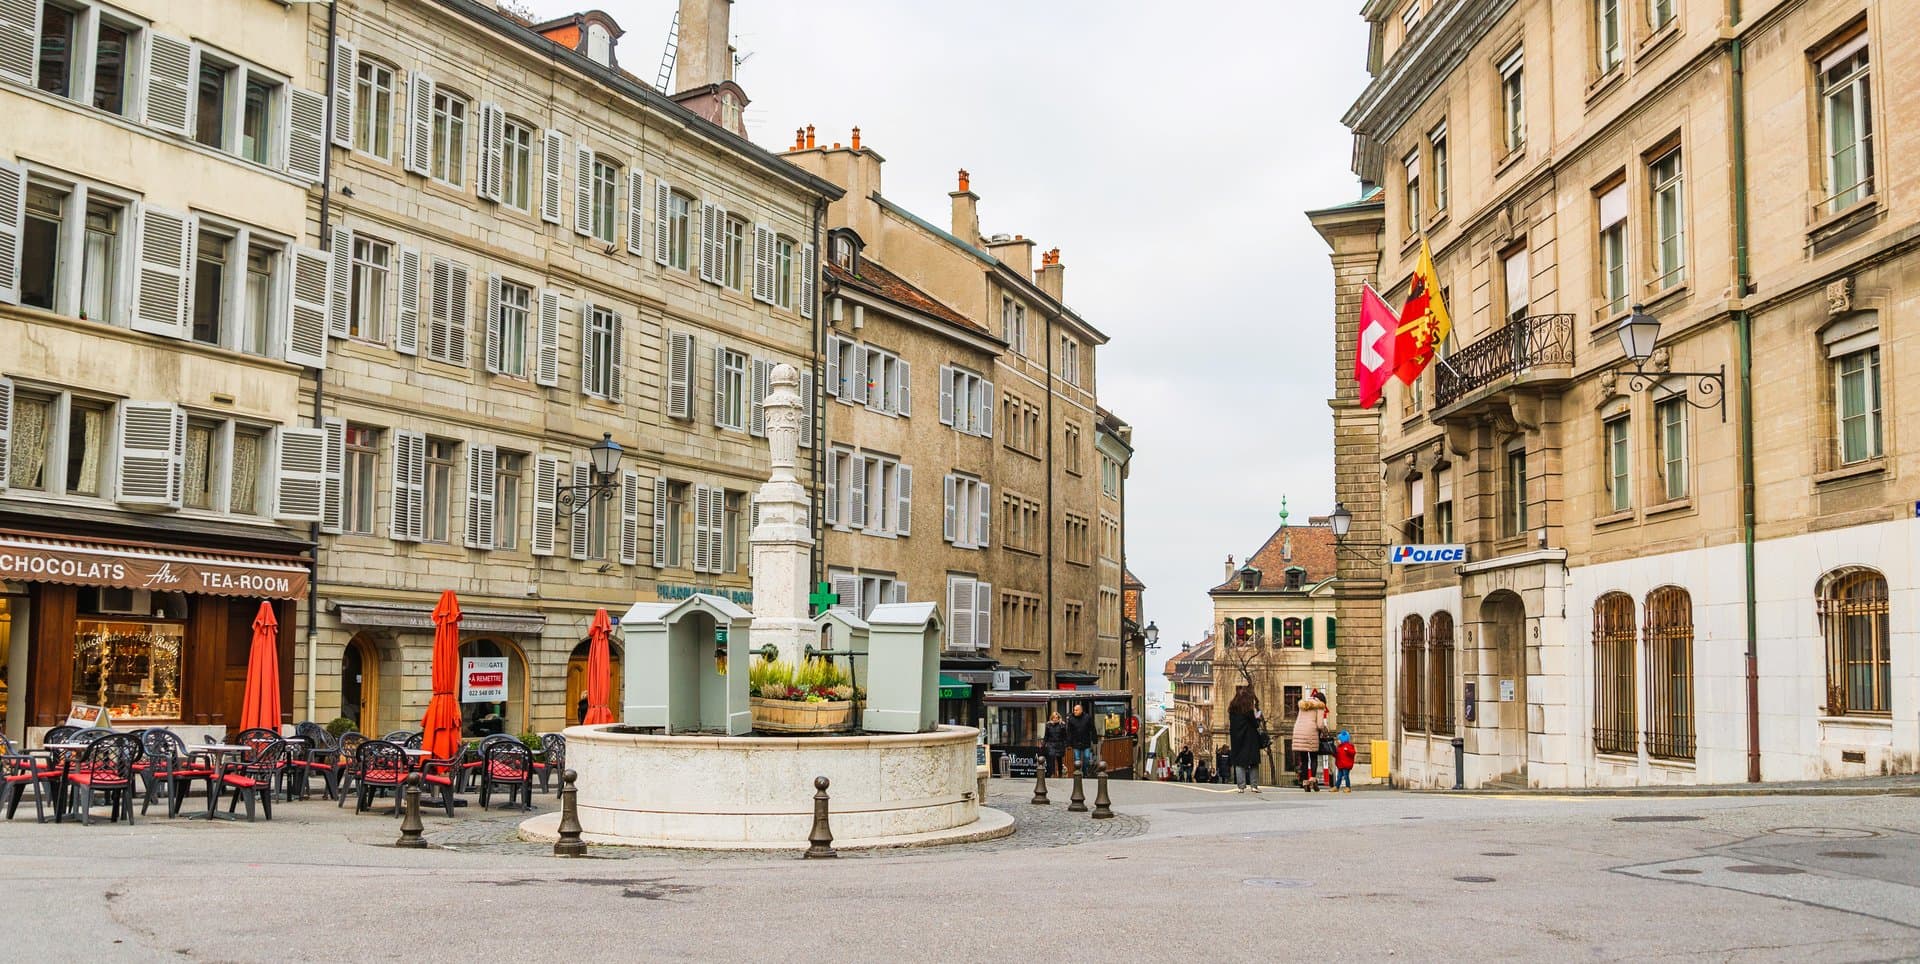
(1695, 571)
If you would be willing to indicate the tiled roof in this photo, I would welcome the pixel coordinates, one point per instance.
(1312, 550)
(875, 279)
(1202, 650)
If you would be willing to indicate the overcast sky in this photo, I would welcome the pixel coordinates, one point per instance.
(1168, 148)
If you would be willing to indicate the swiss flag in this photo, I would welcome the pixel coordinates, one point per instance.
(1373, 362)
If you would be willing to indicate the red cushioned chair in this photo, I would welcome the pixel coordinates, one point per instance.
(253, 778)
(553, 750)
(106, 767)
(378, 765)
(20, 772)
(168, 770)
(507, 764)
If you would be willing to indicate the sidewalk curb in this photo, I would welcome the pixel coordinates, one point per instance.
(1708, 791)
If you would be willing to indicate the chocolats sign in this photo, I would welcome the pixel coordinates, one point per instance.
(83, 564)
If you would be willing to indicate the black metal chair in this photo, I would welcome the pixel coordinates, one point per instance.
(343, 754)
(21, 771)
(398, 736)
(414, 740)
(553, 762)
(168, 769)
(379, 765)
(60, 734)
(320, 755)
(473, 755)
(105, 766)
(257, 740)
(507, 764)
(253, 778)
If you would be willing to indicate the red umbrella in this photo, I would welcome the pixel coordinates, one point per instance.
(599, 671)
(441, 726)
(261, 708)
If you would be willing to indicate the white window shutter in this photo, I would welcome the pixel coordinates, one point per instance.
(333, 492)
(458, 329)
(546, 369)
(806, 409)
(680, 374)
(306, 133)
(702, 561)
(960, 603)
(857, 374)
(662, 199)
(846, 587)
(6, 428)
(13, 207)
(165, 272)
(546, 483)
(809, 275)
(482, 495)
(345, 62)
(983, 536)
(406, 324)
(763, 254)
(903, 501)
(618, 380)
(551, 178)
(409, 477)
(307, 305)
(717, 529)
(660, 509)
(493, 133)
(629, 518)
(491, 322)
(420, 124)
(19, 39)
(950, 524)
(833, 365)
(589, 356)
(857, 487)
(169, 86)
(899, 592)
(340, 281)
(832, 495)
(903, 396)
(709, 242)
(636, 215)
(719, 384)
(151, 438)
(946, 395)
(984, 420)
(762, 383)
(582, 189)
(300, 475)
(582, 475)
(983, 615)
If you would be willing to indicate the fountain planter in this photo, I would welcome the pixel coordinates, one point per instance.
(800, 716)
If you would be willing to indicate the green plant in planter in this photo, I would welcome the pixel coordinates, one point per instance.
(339, 725)
(532, 741)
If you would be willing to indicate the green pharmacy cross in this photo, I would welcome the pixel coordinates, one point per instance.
(823, 598)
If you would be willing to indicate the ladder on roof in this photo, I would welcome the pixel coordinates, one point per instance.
(668, 56)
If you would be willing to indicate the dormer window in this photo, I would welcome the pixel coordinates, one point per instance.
(843, 251)
(1296, 579)
(1249, 579)
(599, 45)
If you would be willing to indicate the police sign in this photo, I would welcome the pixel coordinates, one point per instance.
(1421, 555)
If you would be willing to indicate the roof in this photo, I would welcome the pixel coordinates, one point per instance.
(1370, 198)
(873, 278)
(1312, 550)
(1202, 650)
(1130, 581)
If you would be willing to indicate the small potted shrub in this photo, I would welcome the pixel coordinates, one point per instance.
(816, 697)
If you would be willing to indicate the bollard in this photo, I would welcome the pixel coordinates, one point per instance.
(1459, 762)
(410, 825)
(1102, 807)
(820, 839)
(1078, 802)
(1040, 786)
(569, 844)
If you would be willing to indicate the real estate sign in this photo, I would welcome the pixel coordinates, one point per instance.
(483, 679)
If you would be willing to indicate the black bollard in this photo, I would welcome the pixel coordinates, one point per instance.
(1040, 785)
(1078, 802)
(1102, 807)
(569, 844)
(1459, 763)
(820, 840)
(410, 825)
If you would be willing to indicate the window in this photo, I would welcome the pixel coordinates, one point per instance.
(31, 440)
(112, 62)
(1109, 538)
(966, 402)
(597, 354)
(1856, 378)
(736, 253)
(507, 469)
(1671, 416)
(1847, 124)
(1021, 522)
(1072, 448)
(783, 273)
(1415, 530)
(203, 465)
(210, 274)
(100, 259)
(1607, 34)
(598, 522)
(79, 46)
(1439, 671)
(733, 529)
(1109, 477)
(1613, 250)
(677, 494)
(1513, 105)
(211, 102)
(1659, 13)
(1443, 504)
(1513, 266)
(516, 170)
(256, 332)
(439, 488)
(1079, 540)
(679, 230)
(969, 513)
(1413, 654)
(1615, 726)
(1410, 18)
(1513, 518)
(367, 307)
(1437, 147)
(131, 666)
(58, 29)
(1855, 618)
(88, 422)
(1013, 325)
(604, 206)
(1669, 222)
(40, 246)
(373, 109)
(1069, 360)
(256, 119)
(969, 604)
(1413, 397)
(1670, 674)
(1412, 165)
(1619, 464)
(730, 389)
(510, 328)
(449, 163)
(362, 455)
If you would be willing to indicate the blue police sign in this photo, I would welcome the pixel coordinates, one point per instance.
(1422, 555)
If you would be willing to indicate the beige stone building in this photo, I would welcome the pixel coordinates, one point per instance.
(1692, 572)
(1190, 681)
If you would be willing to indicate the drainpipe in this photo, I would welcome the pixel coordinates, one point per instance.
(815, 488)
(1052, 680)
(320, 374)
(1743, 327)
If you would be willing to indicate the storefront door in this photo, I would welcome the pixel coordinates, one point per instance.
(577, 682)
(360, 685)
(13, 662)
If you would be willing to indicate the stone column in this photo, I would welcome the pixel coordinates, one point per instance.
(782, 543)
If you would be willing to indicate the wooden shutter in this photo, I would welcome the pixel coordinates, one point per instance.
(482, 495)
(19, 39)
(577, 520)
(763, 254)
(345, 63)
(762, 383)
(660, 523)
(719, 384)
(617, 375)
(13, 213)
(809, 275)
(857, 375)
(983, 536)
(950, 525)
(406, 325)
(833, 365)
(946, 395)
(6, 428)
(903, 397)
(552, 150)
(458, 328)
(590, 359)
(546, 365)
(702, 559)
(169, 83)
(419, 124)
(636, 216)
(680, 374)
(903, 500)
(846, 589)
(447, 328)
(300, 475)
(493, 133)
(983, 615)
(306, 133)
(165, 272)
(899, 592)
(629, 518)
(984, 420)
(960, 605)
(308, 299)
(409, 486)
(491, 322)
(582, 189)
(1306, 632)
(710, 246)
(152, 439)
(1332, 624)
(857, 489)
(546, 483)
(717, 529)
(832, 495)
(340, 281)
(806, 409)
(333, 485)
(662, 200)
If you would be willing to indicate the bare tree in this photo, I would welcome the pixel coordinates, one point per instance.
(1241, 655)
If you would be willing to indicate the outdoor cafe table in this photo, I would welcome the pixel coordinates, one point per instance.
(219, 752)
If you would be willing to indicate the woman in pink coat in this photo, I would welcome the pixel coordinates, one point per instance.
(1306, 739)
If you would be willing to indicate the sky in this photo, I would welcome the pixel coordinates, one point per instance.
(1169, 149)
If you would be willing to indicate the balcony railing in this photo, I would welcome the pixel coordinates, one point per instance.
(1531, 342)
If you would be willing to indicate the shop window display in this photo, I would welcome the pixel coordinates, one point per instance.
(131, 667)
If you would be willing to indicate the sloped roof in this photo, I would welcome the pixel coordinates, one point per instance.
(874, 279)
(1312, 550)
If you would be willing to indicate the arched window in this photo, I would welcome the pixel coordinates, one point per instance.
(1670, 673)
(1854, 614)
(507, 715)
(1440, 671)
(1243, 631)
(1615, 726)
(1413, 646)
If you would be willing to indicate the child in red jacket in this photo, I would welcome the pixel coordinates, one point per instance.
(1343, 758)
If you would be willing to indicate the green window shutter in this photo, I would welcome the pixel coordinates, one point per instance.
(1330, 628)
(1260, 627)
(1306, 633)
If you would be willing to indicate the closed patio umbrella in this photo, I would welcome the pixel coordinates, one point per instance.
(599, 671)
(441, 726)
(261, 707)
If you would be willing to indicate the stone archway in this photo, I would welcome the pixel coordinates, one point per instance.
(1503, 620)
(360, 683)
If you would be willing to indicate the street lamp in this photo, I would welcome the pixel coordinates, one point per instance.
(605, 458)
(1639, 333)
(1153, 636)
(1342, 522)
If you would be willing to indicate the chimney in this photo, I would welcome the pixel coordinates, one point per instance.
(1052, 276)
(1015, 252)
(706, 55)
(966, 211)
(1229, 575)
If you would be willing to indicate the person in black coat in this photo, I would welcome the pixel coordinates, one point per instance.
(1222, 765)
(1055, 743)
(1243, 729)
(1080, 737)
(1183, 764)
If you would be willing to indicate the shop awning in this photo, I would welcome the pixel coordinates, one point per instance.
(403, 616)
(144, 565)
(954, 689)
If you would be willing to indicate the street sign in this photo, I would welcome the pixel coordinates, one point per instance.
(1417, 555)
(719, 635)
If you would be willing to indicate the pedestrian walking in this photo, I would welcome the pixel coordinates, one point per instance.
(1222, 765)
(1306, 740)
(1343, 756)
(1323, 756)
(1184, 763)
(1080, 737)
(1055, 743)
(1243, 729)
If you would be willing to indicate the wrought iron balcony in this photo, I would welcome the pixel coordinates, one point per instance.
(1534, 342)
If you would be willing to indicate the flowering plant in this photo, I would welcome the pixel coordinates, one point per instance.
(814, 681)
